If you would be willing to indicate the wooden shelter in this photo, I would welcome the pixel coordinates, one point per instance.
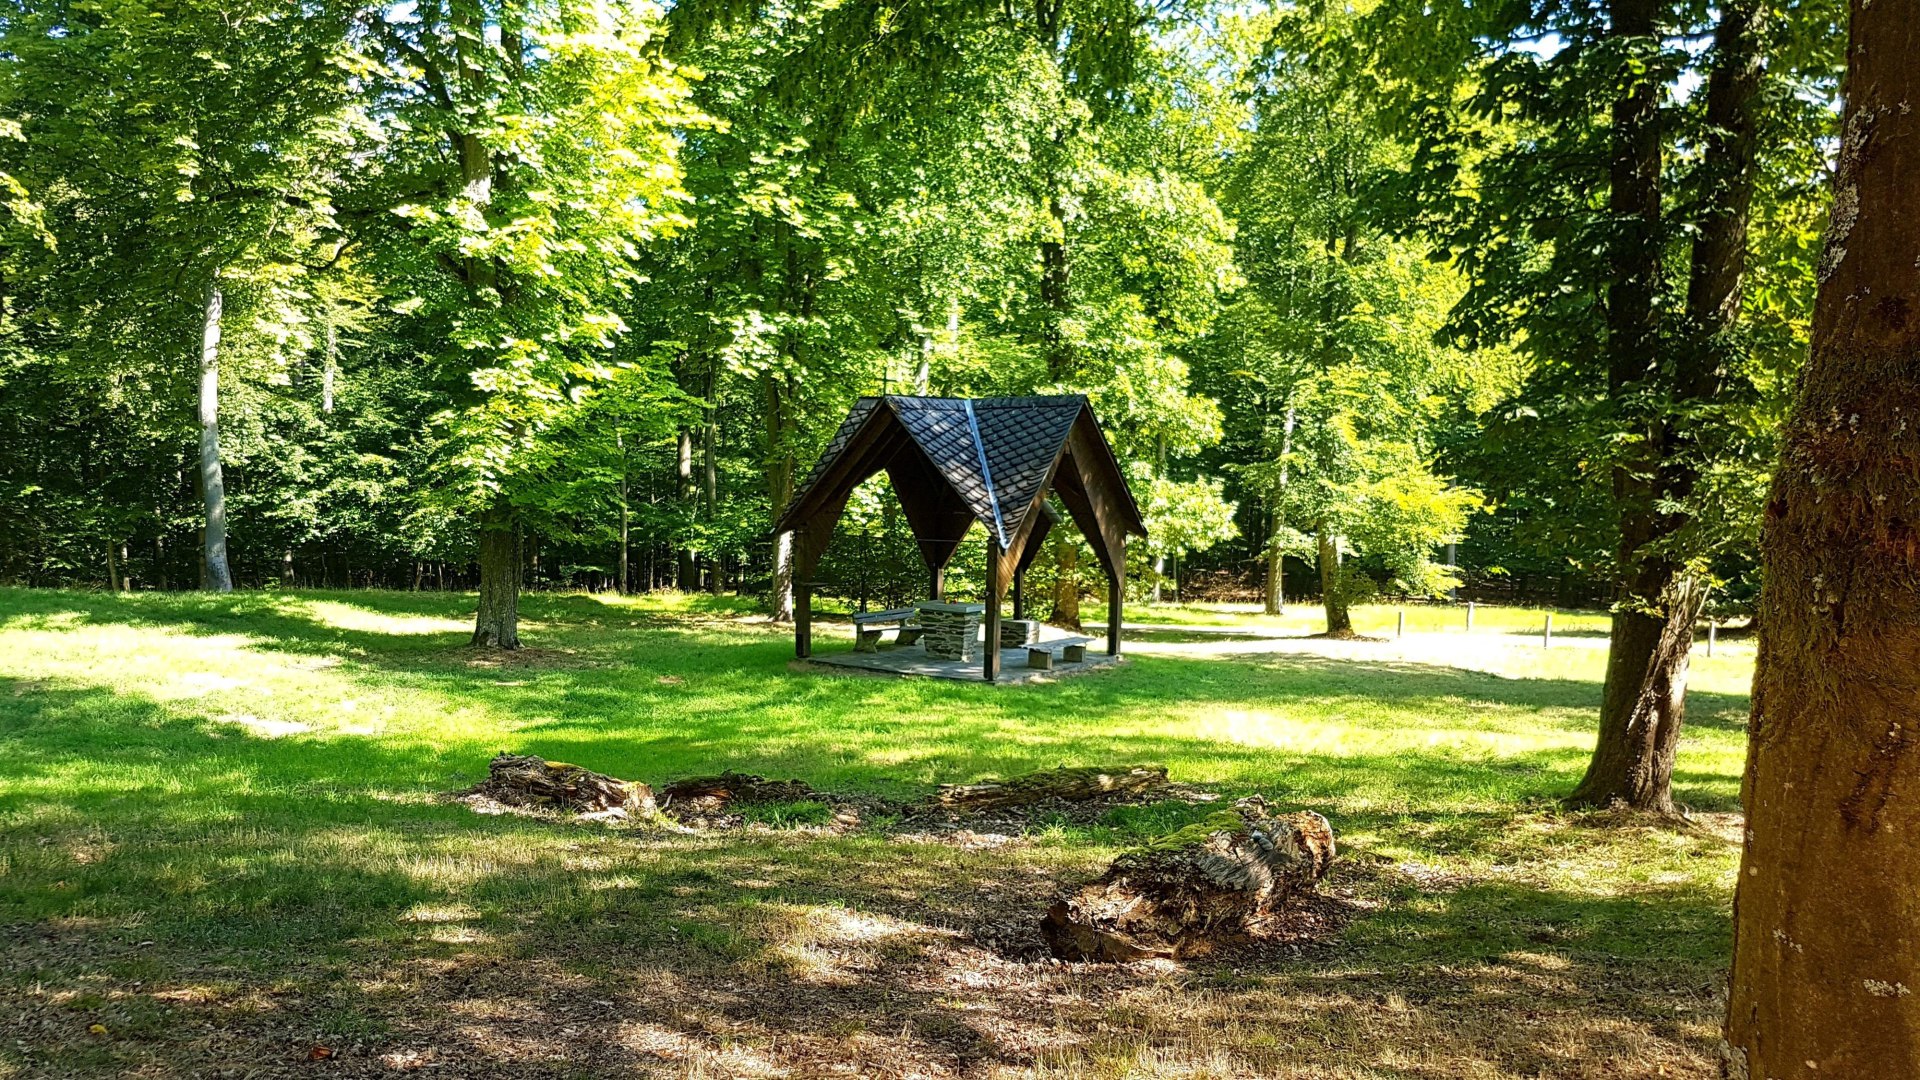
(955, 461)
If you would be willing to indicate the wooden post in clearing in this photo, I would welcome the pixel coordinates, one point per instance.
(803, 619)
(990, 652)
(1546, 636)
(1400, 630)
(1469, 616)
(1713, 631)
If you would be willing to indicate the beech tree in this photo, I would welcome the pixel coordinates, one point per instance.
(1571, 183)
(529, 149)
(1825, 962)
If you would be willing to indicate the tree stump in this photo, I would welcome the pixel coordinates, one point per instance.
(1189, 892)
(526, 780)
(1065, 784)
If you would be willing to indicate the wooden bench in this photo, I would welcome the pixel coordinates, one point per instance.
(1040, 653)
(869, 625)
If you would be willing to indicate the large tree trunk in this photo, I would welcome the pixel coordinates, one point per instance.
(1333, 593)
(1632, 762)
(1643, 705)
(212, 486)
(498, 623)
(1826, 960)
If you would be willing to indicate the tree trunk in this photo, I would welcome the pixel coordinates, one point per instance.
(1065, 784)
(328, 366)
(1276, 571)
(1186, 894)
(212, 486)
(687, 573)
(1333, 591)
(286, 567)
(1632, 762)
(1276, 557)
(1066, 581)
(498, 623)
(1055, 297)
(1643, 704)
(113, 568)
(1826, 959)
(710, 488)
(780, 469)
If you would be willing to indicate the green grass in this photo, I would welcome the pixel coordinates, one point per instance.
(1377, 619)
(221, 811)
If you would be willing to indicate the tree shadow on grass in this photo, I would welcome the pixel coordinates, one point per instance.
(214, 899)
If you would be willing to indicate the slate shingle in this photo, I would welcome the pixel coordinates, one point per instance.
(1018, 438)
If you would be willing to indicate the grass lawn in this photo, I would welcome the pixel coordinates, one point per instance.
(220, 848)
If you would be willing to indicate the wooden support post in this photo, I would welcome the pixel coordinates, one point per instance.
(937, 587)
(803, 619)
(1713, 631)
(990, 653)
(1400, 630)
(1116, 593)
(1469, 616)
(1019, 595)
(1546, 636)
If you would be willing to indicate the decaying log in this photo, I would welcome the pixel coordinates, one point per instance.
(526, 780)
(713, 794)
(1065, 784)
(1193, 890)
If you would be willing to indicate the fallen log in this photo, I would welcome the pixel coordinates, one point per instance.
(713, 794)
(526, 780)
(1194, 890)
(1064, 784)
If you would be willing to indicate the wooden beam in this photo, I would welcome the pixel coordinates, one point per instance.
(1116, 597)
(996, 584)
(803, 619)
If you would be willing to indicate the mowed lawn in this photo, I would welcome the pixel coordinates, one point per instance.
(222, 853)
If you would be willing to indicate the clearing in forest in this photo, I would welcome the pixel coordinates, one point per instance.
(223, 850)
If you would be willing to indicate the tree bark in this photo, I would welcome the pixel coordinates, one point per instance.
(1333, 591)
(1643, 704)
(497, 624)
(1066, 784)
(212, 486)
(1276, 557)
(686, 572)
(1632, 762)
(113, 568)
(624, 582)
(1276, 598)
(780, 470)
(1204, 886)
(286, 567)
(1826, 959)
(328, 366)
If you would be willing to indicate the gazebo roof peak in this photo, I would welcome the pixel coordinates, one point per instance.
(997, 454)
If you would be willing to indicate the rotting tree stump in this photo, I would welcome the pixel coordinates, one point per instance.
(1190, 892)
(1063, 784)
(526, 780)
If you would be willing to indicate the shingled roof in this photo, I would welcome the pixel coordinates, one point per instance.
(996, 454)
